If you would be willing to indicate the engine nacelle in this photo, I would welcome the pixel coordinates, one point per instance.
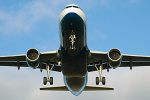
(114, 57)
(32, 58)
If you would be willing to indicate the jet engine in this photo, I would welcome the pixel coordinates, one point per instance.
(114, 58)
(32, 58)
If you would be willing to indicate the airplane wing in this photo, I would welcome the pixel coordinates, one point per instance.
(20, 60)
(127, 60)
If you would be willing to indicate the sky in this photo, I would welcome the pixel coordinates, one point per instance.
(122, 24)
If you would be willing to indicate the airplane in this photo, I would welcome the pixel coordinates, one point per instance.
(73, 58)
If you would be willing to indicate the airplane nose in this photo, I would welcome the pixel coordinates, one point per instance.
(72, 15)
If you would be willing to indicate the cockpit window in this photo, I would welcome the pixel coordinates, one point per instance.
(75, 6)
(69, 6)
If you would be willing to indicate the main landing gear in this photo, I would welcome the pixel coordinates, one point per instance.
(100, 78)
(48, 79)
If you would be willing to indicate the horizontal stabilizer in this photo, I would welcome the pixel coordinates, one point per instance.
(58, 88)
(96, 88)
(87, 88)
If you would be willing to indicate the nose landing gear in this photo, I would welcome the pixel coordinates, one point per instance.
(100, 78)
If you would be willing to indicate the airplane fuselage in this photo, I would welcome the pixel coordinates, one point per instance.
(73, 37)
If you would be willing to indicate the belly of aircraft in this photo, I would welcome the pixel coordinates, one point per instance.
(75, 84)
(74, 52)
(73, 46)
(74, 66)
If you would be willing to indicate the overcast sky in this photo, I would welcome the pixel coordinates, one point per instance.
(123, 24)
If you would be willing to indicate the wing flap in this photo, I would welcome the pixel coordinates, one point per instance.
(13, 58)
(126, 57)
(123, 64)
(22, 64)
(135, 64)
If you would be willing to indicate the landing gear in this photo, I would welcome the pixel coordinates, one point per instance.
(45, 80)
(51, 80)
(100, 78)
(97, 80)
(48, 79)
(103, 80)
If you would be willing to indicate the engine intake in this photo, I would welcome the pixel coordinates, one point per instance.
(114, 57)
(32, 57)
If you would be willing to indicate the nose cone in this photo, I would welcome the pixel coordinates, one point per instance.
(72, 17)
(72, 9)
(75, 85)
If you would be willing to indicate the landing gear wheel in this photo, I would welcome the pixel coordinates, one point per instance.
(97, 80)
(51, 80)
(103, 80)
(44, 80)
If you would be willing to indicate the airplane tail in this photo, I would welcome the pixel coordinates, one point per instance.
(87, 88)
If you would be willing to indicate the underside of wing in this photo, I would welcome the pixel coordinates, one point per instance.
(32, 59)
(97, 57)
(110, 60)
